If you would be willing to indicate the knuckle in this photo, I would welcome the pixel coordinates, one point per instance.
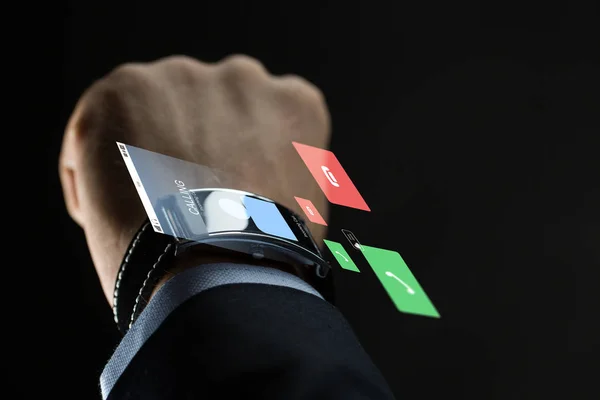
(240, 65)
(180, 63)
(181, 70)
(125, 71)
(296, 95)
(303, 88)
(180, 60)
(126, 80)
(299, 91)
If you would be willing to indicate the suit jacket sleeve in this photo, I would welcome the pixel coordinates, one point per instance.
(232, 331)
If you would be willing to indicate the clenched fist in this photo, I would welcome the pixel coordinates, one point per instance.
(232, 115)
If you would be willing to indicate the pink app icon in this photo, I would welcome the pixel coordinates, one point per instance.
(311, 211)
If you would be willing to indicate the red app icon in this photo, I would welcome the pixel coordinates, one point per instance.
(331, 177)
(311, 211)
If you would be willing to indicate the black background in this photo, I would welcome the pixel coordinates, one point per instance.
(471, 130)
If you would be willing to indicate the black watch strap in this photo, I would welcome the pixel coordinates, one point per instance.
(147, 260)
(142, 267)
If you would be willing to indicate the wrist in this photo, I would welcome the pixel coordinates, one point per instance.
(197, 257)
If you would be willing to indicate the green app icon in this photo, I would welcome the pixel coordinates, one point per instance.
(341, 256)
(400, 284)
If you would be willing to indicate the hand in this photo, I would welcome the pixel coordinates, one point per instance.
(232, 115)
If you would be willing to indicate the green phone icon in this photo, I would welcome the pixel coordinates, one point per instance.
(341, 255)
(400, 284)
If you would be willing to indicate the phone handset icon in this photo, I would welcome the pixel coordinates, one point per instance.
(408, 288)
(345, 259)
(330, 177)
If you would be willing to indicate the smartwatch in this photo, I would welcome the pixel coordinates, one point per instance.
(216, 220)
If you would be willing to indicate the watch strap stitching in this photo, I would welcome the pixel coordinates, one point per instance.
(123, 268)
(138, 307)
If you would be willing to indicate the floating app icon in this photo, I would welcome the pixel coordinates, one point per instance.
(351, 237)
(331, 177)
(400, 284)
(311, 211)
(341, 256)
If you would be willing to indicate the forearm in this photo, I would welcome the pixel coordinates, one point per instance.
(268, 341)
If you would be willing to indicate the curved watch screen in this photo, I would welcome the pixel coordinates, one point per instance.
(190, 201)
(192, 214)
(223, 210)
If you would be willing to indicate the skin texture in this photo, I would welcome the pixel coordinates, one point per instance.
(232, 115)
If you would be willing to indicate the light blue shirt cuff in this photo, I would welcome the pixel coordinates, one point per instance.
(175, 292)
